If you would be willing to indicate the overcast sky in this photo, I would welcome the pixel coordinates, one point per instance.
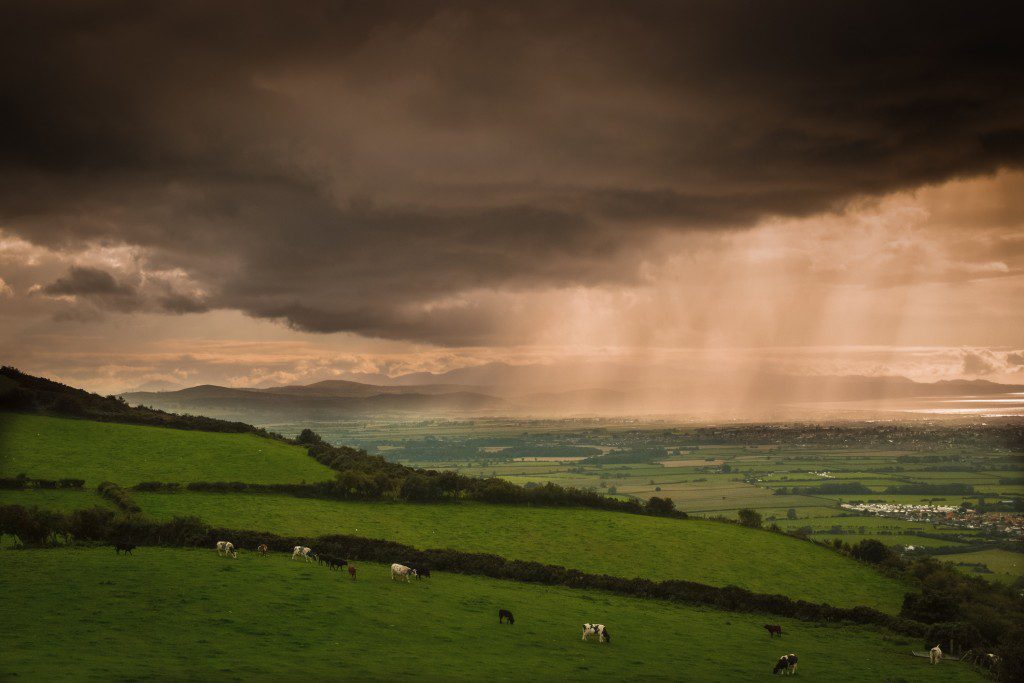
(256, 193)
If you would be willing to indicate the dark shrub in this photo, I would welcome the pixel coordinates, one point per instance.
(871, 550)
(307, 437)
(750, 518)
(660, 506)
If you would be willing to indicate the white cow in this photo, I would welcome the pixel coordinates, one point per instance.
(596, 630)
(401, 570)
(300, 551)
(226, 548)
(935, 655)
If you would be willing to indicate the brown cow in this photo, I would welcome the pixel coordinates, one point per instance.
(352, 571)
(773, 629)
(263, 548)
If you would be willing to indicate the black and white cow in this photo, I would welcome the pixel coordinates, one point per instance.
(785, 665)
(226, 548)
(598, 630)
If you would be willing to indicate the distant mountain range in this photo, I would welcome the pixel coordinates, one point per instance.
(498, 389)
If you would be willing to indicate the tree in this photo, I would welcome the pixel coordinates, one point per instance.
(307, 437)
(1011, 656)
(661, 506)
(791, 513)
(750, 518)
(871, 550)
(420, 489)
(930, 607)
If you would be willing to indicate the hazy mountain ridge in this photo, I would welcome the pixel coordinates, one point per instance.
(501, 389)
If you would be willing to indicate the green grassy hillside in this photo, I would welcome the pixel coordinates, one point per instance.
(50, 448)
(592, 540)
(190, 615)
(1006, 566)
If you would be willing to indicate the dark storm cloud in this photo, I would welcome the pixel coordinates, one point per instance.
(99, 289)
(82, 281)
(360, 166)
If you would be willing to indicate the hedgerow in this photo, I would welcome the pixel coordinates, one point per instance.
(119, 497)
(35, 526)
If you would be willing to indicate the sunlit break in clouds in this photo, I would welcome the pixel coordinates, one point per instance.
(616, 194)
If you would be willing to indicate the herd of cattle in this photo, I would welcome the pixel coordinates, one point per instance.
(786, 664)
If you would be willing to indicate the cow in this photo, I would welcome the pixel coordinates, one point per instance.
(422, 572)
(773, 629)
(301, 551)
(505, 614)
(331, 561)
(598, 630)
(226, 548)
(352, 572)
(785, 665)
(935, 655)
(126, 548)
(263, 549)
(401, 570)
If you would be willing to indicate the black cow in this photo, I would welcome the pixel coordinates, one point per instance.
(505, 614)
(127, 548)
(422, 572)
(331, 561)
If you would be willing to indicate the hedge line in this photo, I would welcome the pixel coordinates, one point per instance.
(118, 496)
(23, 482)
(102, 525)
(356, 486)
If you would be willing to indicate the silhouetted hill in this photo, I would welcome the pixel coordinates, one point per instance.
(329, 399)
(28, 394)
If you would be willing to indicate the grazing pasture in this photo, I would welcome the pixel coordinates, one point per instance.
(595, 541)
(1006, 566)
(51, 447)
(188, 615)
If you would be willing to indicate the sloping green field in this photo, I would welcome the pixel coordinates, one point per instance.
(87, 614)
(1006, 566)
(51, 448)
(591, 540)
